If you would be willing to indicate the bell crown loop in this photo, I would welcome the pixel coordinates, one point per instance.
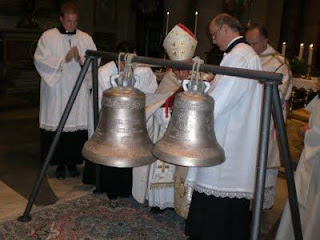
(125, 78)
(196, 85)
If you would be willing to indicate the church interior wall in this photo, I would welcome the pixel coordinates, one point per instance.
(143, 22)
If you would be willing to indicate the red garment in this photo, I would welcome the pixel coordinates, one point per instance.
(170, 101)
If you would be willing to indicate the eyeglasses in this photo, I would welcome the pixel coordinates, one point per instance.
(71, 22)
(252, 44)
(213, 35)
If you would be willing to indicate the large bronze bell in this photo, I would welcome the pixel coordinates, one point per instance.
(121, 138)
(189, 139)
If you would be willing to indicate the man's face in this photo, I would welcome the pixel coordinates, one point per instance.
(256, 41)
(69, 21)
(181, 74)
(218, 35)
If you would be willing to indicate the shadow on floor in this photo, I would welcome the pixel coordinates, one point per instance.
(20, 154)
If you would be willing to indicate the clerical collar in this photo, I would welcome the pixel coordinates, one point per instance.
(62, 30)
(235, 42)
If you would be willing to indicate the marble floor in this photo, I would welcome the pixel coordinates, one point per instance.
(20, 164)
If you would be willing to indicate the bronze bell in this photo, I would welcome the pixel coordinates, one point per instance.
(189, 139)
(121, 138)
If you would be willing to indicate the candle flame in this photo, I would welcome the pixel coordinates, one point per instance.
(302, 44)
(196, 13)
(311, 46)
(284, 43)
(168, 13)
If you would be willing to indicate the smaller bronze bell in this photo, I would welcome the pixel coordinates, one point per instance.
(189, 139)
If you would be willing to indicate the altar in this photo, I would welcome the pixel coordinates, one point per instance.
(303, 91)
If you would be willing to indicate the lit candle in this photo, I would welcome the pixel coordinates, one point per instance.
(283, 49)
(310, 54)
(301, 51)
(195, 22)
(167, 23)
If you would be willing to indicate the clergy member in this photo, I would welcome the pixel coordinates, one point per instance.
(272, 61)
(180, 45)
(58, 59)
(117, 182)
(307, 179)
(221, 198)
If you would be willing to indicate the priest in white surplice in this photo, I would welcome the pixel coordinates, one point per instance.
(221, 198)
(307, 179)
(58, 59)
(271, 61)
(117, 182)
(180, 44)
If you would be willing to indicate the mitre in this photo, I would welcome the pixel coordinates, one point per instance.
(180, 43)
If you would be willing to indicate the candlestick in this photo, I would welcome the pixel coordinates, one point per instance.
(301, 51)
(283, 49)
(195, 22)
(167, 23)
(310, 54)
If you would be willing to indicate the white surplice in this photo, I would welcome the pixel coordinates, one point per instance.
(307, 179)
(236, 125)
(272, 61)
(159, 188)
(58, 79)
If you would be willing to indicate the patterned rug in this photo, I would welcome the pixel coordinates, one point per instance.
(96, 217)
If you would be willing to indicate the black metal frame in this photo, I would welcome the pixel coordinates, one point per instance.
(270, 98)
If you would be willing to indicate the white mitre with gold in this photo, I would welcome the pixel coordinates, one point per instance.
(180, 43)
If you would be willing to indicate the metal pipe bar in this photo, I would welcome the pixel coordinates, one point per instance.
(262, 76)
(95, 85)
(292, 193)
(26, 217)
(261, 161)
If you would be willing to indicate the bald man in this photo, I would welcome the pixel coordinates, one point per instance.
(221, 198)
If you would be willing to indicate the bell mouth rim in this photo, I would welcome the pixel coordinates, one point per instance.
(127, 160)
(122, 163)
(188, 161)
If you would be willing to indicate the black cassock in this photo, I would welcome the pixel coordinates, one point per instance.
(113, 181)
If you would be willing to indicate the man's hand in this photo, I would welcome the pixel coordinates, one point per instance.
(303, 130)
(76, 55)
(208, 77)
(73, 53)
(70, 55)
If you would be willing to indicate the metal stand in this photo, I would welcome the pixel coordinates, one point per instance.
(271, 90)
(26, 217)
(270, 98)
(292, 193)
(96, 116)
(262, 160)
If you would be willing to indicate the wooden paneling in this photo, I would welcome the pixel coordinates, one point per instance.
(11, 7)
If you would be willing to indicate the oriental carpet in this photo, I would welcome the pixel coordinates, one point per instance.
(96, 217)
